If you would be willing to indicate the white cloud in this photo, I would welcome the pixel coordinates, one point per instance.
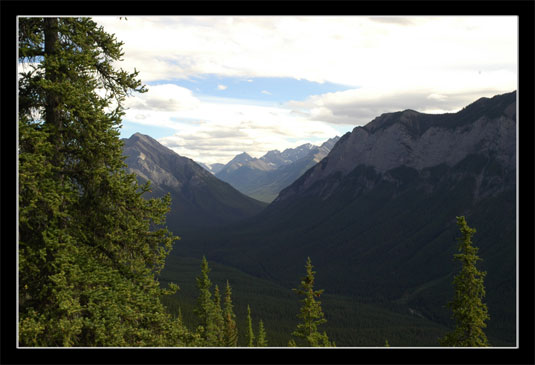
(221, 87)
(165, 98)
(217, 129)
(441, 55)
(265, 92)
(429, 64)
(360, 106)
(351, 50)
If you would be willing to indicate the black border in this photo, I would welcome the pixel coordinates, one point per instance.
(523, 355)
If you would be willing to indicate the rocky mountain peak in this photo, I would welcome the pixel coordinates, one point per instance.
(418, 140)
(198, 197)
(241, 158)
(152, 161)
(138, 138)
(329, 144)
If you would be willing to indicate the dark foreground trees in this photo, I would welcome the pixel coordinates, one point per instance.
(468, 309)
(89, 244)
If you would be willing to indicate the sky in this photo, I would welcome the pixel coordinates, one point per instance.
(223, 85)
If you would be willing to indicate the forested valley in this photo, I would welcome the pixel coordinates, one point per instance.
(98, 266)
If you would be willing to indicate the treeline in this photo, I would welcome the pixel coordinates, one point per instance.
(91, 246)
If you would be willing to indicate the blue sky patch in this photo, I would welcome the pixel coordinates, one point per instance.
(270, 89)
(129, 128)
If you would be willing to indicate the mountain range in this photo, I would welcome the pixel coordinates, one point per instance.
(199, 199)
(263, 178)
(377, 214)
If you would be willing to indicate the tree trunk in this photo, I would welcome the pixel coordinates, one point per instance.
(51, 49)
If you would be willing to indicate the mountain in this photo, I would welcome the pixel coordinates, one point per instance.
(419, 141)
(277, 159)
(199, 199)
(216, 167)
(263, 178)
(213, 168)
(377, 214)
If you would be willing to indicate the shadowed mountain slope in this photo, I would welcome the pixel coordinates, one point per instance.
(198, 198)
(377, 215)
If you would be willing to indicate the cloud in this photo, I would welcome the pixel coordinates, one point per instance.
(426, 63)
(224, 129)
(221, 87)
(352, 50)
(265, 92)
(360, 106)
(165, 97)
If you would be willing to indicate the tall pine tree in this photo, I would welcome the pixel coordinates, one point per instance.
(469, 311)
(208, 310)
(218, 318)
(250, 333)
(311, 314)
(90, 246)
(261, 340)
(231, 328)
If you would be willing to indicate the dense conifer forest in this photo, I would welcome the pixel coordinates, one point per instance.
(95, 268)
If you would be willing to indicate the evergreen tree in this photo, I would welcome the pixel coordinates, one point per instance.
(469, 312)
(90, 246)
(208, 310)
(311, 313)
(231, 329)
(218, 318)
(261, 341)
(250, 334)
(204, 302)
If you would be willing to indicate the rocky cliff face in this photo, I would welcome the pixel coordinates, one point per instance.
(420, 141)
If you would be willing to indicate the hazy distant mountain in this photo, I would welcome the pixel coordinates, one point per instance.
(216, 167)
(213, 168)
(277, 159)
(377, 214)
(205, 166)
(263, 178)
(199, 199)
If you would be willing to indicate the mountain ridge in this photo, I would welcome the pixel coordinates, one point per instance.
(199, 199)
(418, 140)
(263, 178)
